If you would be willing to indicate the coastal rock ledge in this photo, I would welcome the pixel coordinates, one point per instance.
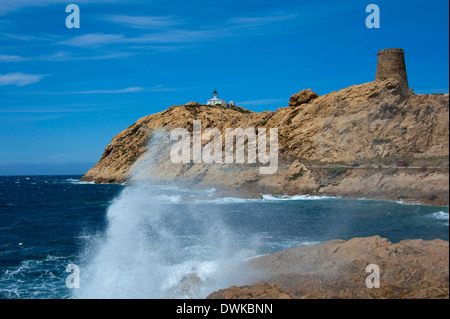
(337, 269)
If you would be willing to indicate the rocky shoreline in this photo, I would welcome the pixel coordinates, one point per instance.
(408, 185)
(345, 143)
(337, 269)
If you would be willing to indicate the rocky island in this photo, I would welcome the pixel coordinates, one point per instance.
(346, 143)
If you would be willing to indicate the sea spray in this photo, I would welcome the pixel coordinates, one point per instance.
(440, 216)
(156, 245)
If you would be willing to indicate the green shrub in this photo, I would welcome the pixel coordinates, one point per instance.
(338, 170)
(296, 176)
(134, 130)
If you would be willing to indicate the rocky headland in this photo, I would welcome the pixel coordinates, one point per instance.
(344, 143)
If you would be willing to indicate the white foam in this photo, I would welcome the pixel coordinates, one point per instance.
(78, 182)
(146, 251)
(170, 198)
(408, 203)
(83, 237)
(227, 200)
(16, 282)
(265, 198)
(440, 216)
(296, 197)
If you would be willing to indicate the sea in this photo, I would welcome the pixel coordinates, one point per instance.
(62, 238)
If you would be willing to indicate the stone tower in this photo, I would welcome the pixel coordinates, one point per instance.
(391, 64)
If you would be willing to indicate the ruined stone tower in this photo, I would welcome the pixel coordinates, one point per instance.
(391, 64)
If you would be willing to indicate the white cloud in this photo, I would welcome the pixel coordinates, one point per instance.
(118, 91)
(160, 88)
(63, 56)
(161, 48)
(261, 102)
(67, 56)
(73, 108)
(172, 36)
(3, 24)
(137, 89)
(29, 38)
(94, 40)
(126, 90)
(12, 58)
(258, 21)
(142, 22)
(169, 35)
(13, 5)
(12, 111)
(178, 36)
(20, 79)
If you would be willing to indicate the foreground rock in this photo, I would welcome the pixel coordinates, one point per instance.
(337, 269)
(257, 291)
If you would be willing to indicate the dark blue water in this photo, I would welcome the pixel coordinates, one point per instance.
(42, 223)
(48, 222)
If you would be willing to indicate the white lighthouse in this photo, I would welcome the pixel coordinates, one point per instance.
(216, 101)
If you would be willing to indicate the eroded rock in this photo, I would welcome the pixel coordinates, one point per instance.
(302, 97)
(337, 269)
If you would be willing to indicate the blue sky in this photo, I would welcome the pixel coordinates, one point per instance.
(64, 93)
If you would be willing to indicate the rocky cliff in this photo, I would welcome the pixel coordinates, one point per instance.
(337, 269)
(343, 143)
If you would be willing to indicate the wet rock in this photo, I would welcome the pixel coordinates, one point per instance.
(337, 269)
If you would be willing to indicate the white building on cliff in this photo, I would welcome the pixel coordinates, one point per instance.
(216, 101)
